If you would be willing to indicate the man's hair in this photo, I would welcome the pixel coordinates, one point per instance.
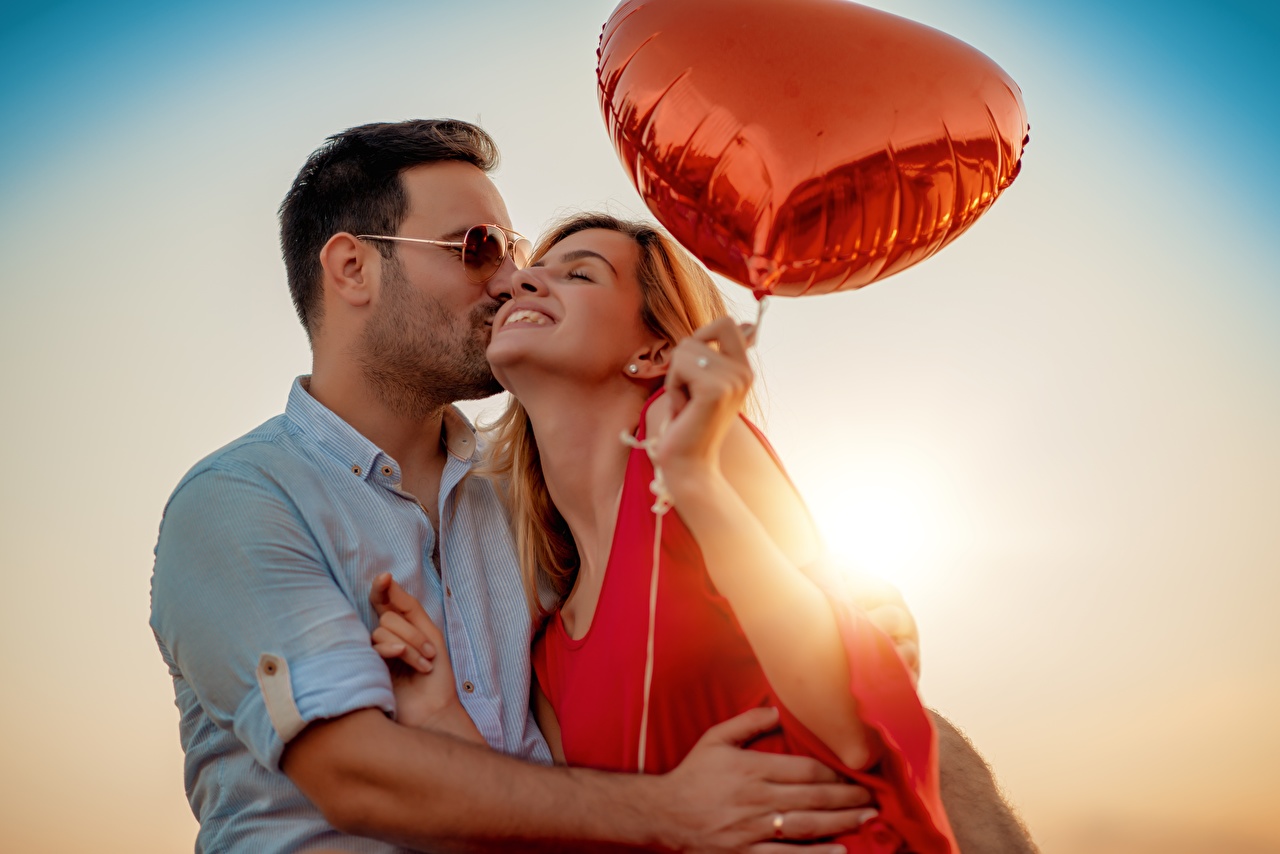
(352, 183)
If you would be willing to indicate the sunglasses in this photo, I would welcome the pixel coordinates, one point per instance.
(484, 248)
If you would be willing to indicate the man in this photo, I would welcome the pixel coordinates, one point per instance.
(269, 546)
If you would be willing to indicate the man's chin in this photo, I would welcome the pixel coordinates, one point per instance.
(480, 382)
(481, 391)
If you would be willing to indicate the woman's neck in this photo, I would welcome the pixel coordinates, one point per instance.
(583, 460)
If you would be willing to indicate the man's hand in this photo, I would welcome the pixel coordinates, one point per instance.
(723, 798)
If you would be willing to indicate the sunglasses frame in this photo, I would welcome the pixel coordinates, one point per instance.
(510, 240)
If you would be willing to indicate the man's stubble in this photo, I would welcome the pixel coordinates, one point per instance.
(417, 357)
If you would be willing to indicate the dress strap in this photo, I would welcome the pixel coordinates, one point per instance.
(661, 504)
(644, 411)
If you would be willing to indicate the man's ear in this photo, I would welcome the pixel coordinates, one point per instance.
(350, 271)
(651, 361)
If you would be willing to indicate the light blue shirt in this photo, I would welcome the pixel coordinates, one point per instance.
(260, 605)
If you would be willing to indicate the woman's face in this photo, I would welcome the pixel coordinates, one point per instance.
(575, 313)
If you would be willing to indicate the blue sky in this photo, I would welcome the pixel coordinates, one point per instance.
(73, 69)
(1208, 60)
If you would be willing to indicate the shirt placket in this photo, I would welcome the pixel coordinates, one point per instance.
(388, 475)
(478, 698)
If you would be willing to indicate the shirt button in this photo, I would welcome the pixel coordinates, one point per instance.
(386, 471)
(356, 470)
(448, 592)
(468, 687)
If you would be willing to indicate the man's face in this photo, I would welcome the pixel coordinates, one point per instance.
(424, 343)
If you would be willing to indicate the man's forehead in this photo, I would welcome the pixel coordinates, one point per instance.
(451, 196)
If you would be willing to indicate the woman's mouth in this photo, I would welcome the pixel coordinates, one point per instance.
(527, 316)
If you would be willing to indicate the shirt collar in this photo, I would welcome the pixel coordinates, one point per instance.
(350, 447)
(459, 435)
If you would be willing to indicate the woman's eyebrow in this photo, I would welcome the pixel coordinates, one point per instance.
(579, 254)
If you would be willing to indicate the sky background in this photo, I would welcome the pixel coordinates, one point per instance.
(1061, 436)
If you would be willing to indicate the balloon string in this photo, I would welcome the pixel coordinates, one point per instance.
(662, 503)
(761, 305)
(648, 649)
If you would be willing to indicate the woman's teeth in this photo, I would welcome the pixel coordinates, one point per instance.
(524, 315)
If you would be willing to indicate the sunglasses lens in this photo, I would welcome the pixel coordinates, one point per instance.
(521, 252)
(483, 249)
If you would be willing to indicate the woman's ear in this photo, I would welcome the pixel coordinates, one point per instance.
(650, 362)
(349, 272)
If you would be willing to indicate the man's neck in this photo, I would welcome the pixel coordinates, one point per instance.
(414, 440)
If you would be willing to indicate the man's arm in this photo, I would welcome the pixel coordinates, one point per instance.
(245, 606)
(405, 627)
(373, 777)
(242, 599)
(983, 822)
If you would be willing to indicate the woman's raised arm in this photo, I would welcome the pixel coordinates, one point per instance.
(755, 535)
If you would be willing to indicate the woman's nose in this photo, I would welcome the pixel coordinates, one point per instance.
(510, 282)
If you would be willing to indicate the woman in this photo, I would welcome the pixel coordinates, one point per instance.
(662, 625)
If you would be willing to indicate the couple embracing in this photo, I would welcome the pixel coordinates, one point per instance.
(386, 632)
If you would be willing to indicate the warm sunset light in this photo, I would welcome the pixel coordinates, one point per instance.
(1058, 437)
(885, 519)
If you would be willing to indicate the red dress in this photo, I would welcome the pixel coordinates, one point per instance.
(705, 673)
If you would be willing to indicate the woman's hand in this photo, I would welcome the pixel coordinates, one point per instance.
(418, 659)
(706, 387)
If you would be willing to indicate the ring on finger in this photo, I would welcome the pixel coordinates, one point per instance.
(702, 362)
(778, 820)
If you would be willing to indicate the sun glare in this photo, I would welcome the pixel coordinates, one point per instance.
(885, 521)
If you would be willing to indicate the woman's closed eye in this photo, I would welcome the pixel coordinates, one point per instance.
(580, 274)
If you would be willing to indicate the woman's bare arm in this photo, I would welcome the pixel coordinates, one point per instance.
(786, 617)
(755, 534)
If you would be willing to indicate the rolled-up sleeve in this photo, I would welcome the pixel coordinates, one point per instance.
(248, 611)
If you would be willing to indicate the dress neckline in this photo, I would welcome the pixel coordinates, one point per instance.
(558, 620)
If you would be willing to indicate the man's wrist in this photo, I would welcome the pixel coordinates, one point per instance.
(653, 827)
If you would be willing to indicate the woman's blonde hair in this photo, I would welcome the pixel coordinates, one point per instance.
(678, 297)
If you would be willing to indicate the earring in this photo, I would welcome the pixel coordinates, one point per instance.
(633, 369)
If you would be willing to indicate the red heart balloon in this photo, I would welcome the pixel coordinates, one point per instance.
(805, 146)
